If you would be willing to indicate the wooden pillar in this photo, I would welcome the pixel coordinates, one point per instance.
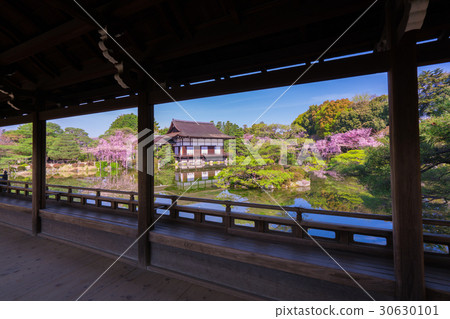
(405, 166)
(38, 172)
(145, 176)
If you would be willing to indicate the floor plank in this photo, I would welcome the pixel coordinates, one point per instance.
(23, 268)
(35, 268)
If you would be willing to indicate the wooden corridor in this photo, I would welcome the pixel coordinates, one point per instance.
(176, 248)
(34, 268)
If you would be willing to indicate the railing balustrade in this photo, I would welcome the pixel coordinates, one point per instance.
(225, 214)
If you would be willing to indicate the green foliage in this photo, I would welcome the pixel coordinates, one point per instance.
(364, 114)
(25, 146)
(80, 136)
(341, 116)
(364, 97)
(230, 129)
(164, 155)
(350, 163)
(254, 176)
(435, 182)
(435, 155)
(22, 137)
(269, 151)
(123, 121)
(156, 126)
(163, 131)
(434, 92)
(274, 131)
(65, 147)
(236, 145)
(53, 129)
(320, 119)
(23, 131)
(165, 176)
(306, 120)
(377, 168)
(327, 114)
(435, 141)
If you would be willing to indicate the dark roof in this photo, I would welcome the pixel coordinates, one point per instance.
(51, 61)
(195, 129)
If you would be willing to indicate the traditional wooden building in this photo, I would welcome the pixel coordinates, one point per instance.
(197, 143)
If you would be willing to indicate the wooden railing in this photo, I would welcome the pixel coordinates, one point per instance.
(224, 214)
(103, 198)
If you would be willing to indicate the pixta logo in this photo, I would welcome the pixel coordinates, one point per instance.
(146, 145)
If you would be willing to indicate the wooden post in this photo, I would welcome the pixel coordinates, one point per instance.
(131, 205)
(297, 230)
(228, 221)
(173, 211)
(405, 166)
(145, 176)
(38, 174)
(26, 191)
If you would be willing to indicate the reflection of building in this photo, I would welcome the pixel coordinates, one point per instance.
(196, 179)
(197, 144)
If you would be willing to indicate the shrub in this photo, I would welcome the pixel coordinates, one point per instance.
(350, 163)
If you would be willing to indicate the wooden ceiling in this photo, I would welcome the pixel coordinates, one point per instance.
(51, 61)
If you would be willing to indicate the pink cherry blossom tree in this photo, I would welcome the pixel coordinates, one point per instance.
(341, 142)
(119, 148)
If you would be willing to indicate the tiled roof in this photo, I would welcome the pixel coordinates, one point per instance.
(196, 129)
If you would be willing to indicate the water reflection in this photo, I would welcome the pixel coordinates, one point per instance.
(196, 179)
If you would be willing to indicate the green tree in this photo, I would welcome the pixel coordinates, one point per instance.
(254, 175)
(53, 129)
(365, 97)
(65, 147)
(435, 141)
(325, 118)
(229, 128)
(124, 121)
(306, 120)
(364, 114)
(164, 155)
(350, 163)
(163, 131)
(79, 135)
(22, 137)
(156, 127)
(320, 119)
(434, 92)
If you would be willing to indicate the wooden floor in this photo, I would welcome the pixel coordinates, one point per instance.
(10, 199)
(373, 272)
(34, 268)
(370, 270)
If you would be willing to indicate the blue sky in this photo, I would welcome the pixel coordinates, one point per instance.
(244, 108)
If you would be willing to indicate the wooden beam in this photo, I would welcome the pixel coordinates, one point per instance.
(405, 167)
(145, 177)
(433, 53)
(93, 69)
(428, 53)
(213, 37)
(348, 67)
(15, 120)
(39, 150)
(90, 108)
(75, 110)
(58, 35)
